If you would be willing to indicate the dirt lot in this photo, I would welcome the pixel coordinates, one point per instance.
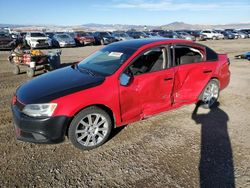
(175, 149)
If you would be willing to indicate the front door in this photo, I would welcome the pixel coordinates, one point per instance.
(149, 91)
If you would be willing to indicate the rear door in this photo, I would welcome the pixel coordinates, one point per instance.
(150, 90)
(192, 72)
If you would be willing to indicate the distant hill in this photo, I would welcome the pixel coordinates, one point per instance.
(124, 27)
(170, 26)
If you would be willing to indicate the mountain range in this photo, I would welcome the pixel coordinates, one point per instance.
(112, 27)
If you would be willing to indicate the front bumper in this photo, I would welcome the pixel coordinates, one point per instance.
(39, 130)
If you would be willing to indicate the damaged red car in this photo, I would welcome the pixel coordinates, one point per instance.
(119, 84)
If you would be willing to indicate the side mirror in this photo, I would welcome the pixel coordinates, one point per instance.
(125, 79)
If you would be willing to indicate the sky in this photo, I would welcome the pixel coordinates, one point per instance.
(135, 12)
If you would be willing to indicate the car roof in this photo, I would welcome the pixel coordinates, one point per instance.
(137, 43)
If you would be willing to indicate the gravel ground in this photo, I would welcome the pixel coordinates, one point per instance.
(187, 147)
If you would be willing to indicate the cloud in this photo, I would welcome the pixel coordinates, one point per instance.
(170, 5)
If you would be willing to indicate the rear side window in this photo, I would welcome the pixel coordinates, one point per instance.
(211, 55)
(187, 54)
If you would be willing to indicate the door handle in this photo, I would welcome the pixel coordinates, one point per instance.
(207, 71)
(166, 79)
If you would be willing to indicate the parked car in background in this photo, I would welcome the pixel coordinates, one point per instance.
(185, 35)
(83, 38)
(152, 34)
(137, 34)
(50, 34)
(228, 35)
(212, 34)
(37, 40)
(169, 34)
(197, 35)
(246, 31)
(6, 41)
(121, 83)
(236, 34)
(121, 36)
(242, 35)
(103, 38)
(63, 40)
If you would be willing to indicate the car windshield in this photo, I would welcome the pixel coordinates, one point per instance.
(83, 34)
(63, 36)
(37, 35)
(104, 34)
(4, 34)
(107, 60)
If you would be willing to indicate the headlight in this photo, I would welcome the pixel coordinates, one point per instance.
(39, 110)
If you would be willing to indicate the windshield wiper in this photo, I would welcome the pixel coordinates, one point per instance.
(86, 70)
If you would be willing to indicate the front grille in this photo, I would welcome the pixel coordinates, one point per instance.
(41, 41)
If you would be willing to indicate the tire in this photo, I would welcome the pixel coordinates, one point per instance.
(214, 37)
(90, 128)
(210, 94)
(30, 72)
(16, 69)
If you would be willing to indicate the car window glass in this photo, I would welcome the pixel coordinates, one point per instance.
(150, 61)
(187, 54)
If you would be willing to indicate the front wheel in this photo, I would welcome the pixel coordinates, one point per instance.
(90, 128)
(210, 94)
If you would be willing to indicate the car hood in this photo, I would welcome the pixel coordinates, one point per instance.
(39, 38)
(66, 40)
(58, 83)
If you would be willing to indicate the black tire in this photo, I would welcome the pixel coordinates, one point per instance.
(209, 102)
(89, 130)
(15, 69)
(30, 72)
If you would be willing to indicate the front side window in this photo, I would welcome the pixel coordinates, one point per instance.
(152, 60)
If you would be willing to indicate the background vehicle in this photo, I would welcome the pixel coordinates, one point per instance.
(6, 41)
(63, 40)
(152, 34)
(143, 81)
(242, 35)
(137, 34)
(84, 38)
(197, 35)
(169, 34)
(121, 36)
(103, 38)
(212, 34)
(37, 40)
(185, 35)
(228, 35)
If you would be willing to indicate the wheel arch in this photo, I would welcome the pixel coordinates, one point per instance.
(101, 106)
(212, 78)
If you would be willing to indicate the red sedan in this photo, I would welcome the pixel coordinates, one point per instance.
(119, 84)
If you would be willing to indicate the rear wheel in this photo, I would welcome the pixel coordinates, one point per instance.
(90, 128)
(210, 94)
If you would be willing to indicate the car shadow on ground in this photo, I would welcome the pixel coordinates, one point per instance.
(216, 159)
